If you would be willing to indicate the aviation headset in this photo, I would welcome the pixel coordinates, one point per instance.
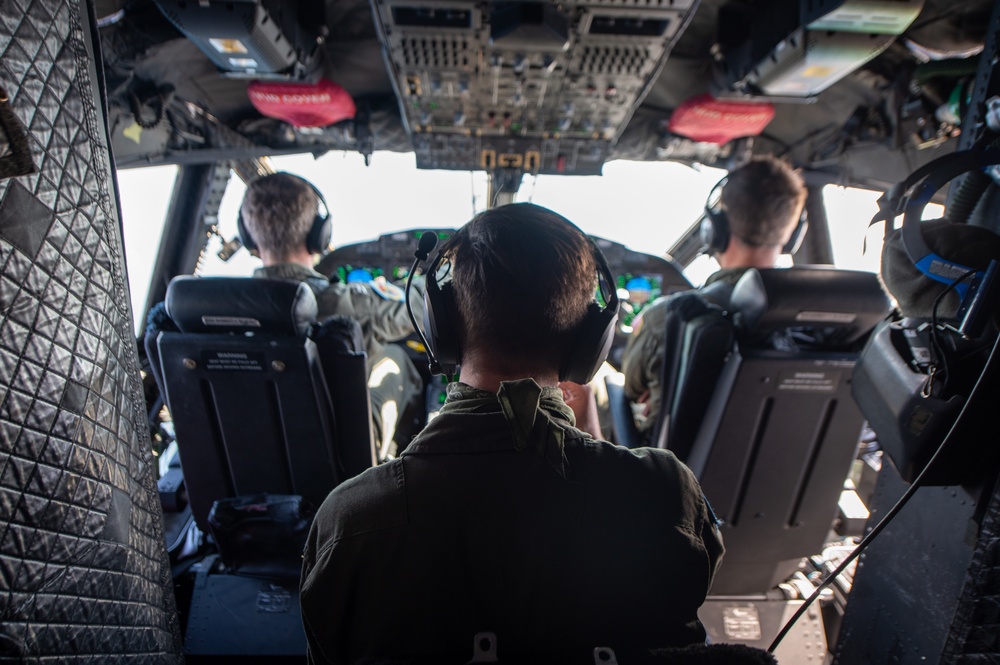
(320, 233)
(969, 284)
(715, 228)
(591, 340)
(941, 359)
(885, 402)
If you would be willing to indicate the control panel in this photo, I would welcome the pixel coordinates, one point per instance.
(540, 87)
(640, 278)
(389, 256)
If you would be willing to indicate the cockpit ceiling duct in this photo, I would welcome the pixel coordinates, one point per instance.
(801, 47)
(536, 86)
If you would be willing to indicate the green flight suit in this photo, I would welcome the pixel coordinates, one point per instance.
(501, 516)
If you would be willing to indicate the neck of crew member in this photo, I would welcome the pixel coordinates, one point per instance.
(739, 254)
(300, 256)
(484, 370)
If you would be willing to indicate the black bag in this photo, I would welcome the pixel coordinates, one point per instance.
(263, 534)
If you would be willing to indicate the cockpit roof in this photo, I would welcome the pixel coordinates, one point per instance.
(169, 103)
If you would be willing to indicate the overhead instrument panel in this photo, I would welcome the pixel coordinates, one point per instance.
(540, 87)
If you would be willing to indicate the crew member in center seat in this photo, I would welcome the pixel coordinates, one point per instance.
(502, 516)
(285, 220)
(759, 218)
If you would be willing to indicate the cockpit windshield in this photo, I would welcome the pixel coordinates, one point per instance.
(645, 206)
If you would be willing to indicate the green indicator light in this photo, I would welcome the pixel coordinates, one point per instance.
(442, 398)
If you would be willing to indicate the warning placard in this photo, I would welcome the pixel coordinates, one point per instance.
(274, 600)
(809, 381)
(233, 361)
(741, 622)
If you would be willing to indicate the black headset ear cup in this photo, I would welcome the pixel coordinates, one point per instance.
(795, 240)
(715, 230)
(441, 318)
(244, 233)
(320, 233)
(592, 344)
(593, 338)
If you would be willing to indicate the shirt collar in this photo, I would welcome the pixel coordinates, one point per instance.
(521, 413)
(294, 271)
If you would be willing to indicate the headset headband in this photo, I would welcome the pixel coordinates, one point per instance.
(591, 343)
(928, 180)
(716, 230)
(320, 231)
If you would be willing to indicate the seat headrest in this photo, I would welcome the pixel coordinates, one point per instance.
(844, 305)
(241, 305)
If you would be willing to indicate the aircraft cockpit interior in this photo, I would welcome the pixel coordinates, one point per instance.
(170, 427)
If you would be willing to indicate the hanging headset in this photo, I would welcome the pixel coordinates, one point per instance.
(320, 233)
(591, 341)
(910, 197)
(715, 228)
(927, 437)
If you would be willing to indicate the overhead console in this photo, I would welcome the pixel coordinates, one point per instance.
(536, 87)
(790, 49)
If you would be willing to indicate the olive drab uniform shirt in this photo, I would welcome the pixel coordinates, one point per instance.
(642, 362)
(380, 308)
(501, 516)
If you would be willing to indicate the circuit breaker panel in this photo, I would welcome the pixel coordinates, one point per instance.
(541, 87)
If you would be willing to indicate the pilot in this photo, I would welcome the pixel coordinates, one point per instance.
(502, 516)
(284, 218)
(762, 204)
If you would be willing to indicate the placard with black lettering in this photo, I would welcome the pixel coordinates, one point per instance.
(233, 361)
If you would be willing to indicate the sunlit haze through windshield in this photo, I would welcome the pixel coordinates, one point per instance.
(643, 205)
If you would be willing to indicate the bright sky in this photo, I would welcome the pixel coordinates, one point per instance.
(644, 205)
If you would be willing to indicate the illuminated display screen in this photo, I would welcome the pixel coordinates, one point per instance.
(642, 290)
(350, 274)
(442, 235)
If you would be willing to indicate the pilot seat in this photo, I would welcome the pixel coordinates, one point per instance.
(271, 412)
(757, 402)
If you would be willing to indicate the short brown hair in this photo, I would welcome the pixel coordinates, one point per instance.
(278, 211)
(763, 200)
(524, 277)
